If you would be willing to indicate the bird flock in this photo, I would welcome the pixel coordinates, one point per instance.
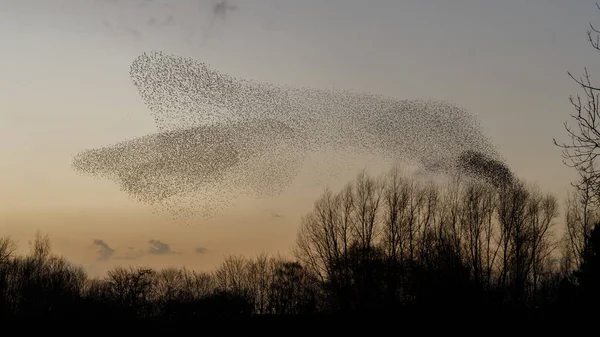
(220, 136)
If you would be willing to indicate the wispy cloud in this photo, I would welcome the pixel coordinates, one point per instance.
(221, 8)
(201, 250)
(159, 248)
(155, 14)
(157, 22)
(104, 251)
(273, 213)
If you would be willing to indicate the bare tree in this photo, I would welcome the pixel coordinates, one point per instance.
(132, 289)
(41, 247)
(232, 275)
(197, 285)
(326, 235)
(293, 290)
(260, 277)
(416, 202)
(7, 249)
(368, 193)
(427, 221)
(541, 212)
(449, 229)
(395, 197)
(514, 239)
(580, 217)
(475, 217)
(169, 284)
(584, 145)
(395, 202)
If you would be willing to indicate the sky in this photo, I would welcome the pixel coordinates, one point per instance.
(65, 87)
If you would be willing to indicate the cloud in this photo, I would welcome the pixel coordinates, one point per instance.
(104, 251)
(133, 32)
(219, 12)
(274, 214)
(201, 250)
(131, 27)
(159, 248)
(141, 3)
(221, 8)
(157, 22)
(158, 14)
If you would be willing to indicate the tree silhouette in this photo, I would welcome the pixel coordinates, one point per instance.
(588, 274)
(583, 147)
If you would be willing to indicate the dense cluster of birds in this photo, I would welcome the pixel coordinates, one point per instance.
(220, 136)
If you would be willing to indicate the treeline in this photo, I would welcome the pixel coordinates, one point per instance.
(397, 241)
(380, 245)
(42, 285)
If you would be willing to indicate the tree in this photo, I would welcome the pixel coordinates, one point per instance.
(325, 235)
(293, 290)
(7, 249)
(131, 289)
(232, 275)
(475, 217)
(541, 212)
(340, 233)
(588, 274)
(583, 148)
(259, 276)
(580, 216)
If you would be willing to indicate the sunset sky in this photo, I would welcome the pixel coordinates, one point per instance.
(65, 88)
